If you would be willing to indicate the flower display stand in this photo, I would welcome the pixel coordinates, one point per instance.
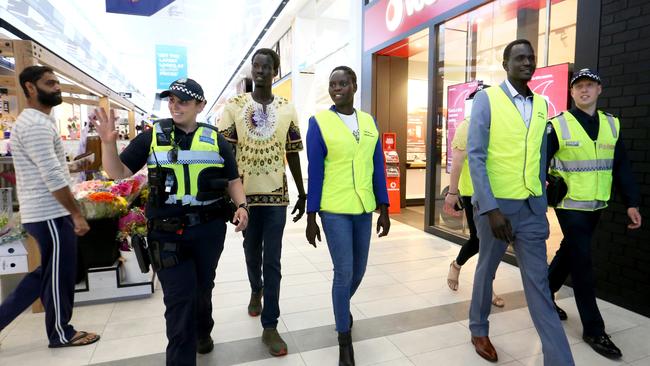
(13, 266)
(110, 283)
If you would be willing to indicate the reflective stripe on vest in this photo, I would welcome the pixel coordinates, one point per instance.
(347, 183)
(187, 200)
(203, 154)
(584, 164)
(513, 156)
(186, 157)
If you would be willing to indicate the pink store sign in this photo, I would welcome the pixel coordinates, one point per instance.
(386, 19)
(456, 95)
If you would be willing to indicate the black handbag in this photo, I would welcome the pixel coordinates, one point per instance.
(556, 190)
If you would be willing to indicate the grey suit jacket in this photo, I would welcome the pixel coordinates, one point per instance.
(477, 146)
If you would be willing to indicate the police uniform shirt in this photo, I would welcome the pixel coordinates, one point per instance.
(135, 157)
(622, 170)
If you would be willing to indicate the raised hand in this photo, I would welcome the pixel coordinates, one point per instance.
(105, 125)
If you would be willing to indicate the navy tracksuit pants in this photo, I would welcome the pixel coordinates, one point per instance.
(53, 281)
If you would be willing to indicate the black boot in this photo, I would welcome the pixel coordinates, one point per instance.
(346, 352)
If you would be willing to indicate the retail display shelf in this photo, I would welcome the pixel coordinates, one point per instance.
(104, 284)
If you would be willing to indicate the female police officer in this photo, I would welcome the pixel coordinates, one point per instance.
(190, 168)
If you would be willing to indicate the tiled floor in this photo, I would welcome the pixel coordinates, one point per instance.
(404, 315)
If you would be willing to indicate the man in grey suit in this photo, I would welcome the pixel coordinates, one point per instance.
(506, 152)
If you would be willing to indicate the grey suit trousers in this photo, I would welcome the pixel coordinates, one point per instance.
(530, 231)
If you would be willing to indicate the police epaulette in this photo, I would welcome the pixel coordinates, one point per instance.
(557, 115)
(608, 114)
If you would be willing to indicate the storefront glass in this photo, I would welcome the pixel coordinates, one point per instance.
(417, 107)
(470, 48)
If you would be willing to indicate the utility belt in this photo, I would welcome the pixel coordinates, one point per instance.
(179, 223)
(159, 254)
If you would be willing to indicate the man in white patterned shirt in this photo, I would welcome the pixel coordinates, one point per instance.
(48, 210)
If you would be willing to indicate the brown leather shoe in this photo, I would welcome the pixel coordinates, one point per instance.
(484, 348)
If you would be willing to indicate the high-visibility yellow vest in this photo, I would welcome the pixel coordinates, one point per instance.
(513, 157)
(188, 164)
(584, 164)
(465, 182)
(347, 185)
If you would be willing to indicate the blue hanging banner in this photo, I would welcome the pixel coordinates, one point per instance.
(171, 65)
(136, 7)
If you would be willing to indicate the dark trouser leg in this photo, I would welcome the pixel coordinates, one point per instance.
(24, 295)
(338, 231)
(578, 228)
(209, 239)
(275, 219)
(253, 238)
(470, 248)
(58, 245)
(179, 287)
(560, 266)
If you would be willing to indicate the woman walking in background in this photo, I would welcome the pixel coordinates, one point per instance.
(346, 184)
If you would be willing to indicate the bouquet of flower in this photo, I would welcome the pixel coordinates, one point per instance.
(134, 222)
(101, 205)
(129, 188)
(104, 199)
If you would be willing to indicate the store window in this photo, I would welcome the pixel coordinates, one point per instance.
(284, 47)
(470, 49)
(417, 107)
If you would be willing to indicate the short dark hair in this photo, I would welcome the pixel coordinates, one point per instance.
(32, 74)
(508, 49)
(272, 54)
(347, 70)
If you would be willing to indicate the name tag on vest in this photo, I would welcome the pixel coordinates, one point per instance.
(207, 139)
(606, 146)
(572, 143)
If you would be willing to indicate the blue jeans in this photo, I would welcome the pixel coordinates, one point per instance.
(263, 249)
(348, 239)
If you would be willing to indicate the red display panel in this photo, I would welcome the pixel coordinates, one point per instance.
(552, 82)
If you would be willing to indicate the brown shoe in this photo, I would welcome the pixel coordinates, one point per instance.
(255, 304)
(484, 348)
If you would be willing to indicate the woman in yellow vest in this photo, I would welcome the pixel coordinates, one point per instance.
(459, 197)
(346, 184)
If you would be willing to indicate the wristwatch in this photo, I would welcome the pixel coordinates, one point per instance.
(245, 207)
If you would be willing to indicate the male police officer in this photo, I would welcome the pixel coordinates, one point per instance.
(588, 154)
(506, 152)
(190, 166)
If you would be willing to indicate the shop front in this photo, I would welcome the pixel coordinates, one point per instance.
(422, 58)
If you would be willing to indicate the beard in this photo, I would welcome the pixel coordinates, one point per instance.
(49, 99)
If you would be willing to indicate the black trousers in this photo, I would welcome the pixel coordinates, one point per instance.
(470, 248)
(574, 258)
(187, 288)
